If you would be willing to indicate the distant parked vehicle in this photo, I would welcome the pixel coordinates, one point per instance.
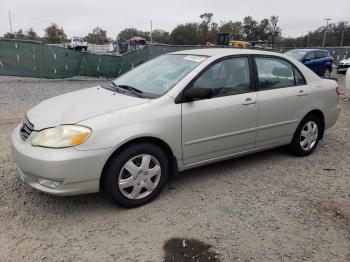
(78, 43)
(347, 79)
(318, 60)
(343, 66)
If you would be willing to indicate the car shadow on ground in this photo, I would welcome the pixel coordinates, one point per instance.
(233, 165)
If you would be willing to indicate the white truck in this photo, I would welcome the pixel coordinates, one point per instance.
(78, 43)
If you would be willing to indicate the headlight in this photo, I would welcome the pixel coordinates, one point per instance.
(62, 136)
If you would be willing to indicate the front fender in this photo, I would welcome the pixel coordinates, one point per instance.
(113, 130)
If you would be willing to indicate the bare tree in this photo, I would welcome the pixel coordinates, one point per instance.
(274, 29)
(54, 34)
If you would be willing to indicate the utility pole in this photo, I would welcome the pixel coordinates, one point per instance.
(10, 22)
(308, 39)
(151, 33)
(325, 30)
(302, 38)
(342, 33)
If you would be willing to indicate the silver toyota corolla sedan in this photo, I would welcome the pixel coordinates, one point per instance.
(175, 112)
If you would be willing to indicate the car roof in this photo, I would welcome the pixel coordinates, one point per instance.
(222, 52)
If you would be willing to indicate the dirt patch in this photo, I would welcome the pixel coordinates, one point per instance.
(10, 121)
(180, 249)
(337, 211)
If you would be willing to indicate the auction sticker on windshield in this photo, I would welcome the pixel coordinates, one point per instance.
(194, 58)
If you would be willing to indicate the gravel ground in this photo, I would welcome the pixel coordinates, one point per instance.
(268, 206)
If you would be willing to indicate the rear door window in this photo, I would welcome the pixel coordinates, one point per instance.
(299, 78)
(310, 55)
(325, 53)
(274, 73)
(319, 54)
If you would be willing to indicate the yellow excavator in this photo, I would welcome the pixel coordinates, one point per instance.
(239, 44)
(227, 39)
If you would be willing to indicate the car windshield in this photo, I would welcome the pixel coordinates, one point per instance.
(159, 75)
(298, 55)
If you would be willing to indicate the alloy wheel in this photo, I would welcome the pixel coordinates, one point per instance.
(327, 73)
(309, 135)
(139, 176)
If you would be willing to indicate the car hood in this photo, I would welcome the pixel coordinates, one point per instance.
(80, 105)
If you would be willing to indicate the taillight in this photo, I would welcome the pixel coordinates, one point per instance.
(338, 90)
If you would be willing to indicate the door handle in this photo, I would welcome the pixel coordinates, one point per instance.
(249, 101)
(302, 93)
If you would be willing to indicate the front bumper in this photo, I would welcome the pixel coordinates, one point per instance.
(342, 68)
(77, 171)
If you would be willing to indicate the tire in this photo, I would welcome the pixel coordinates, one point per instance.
(327, 73)
(305, 139)
(130, 183)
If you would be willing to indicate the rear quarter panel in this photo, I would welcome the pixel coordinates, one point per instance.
(325, 99)
(323, 95)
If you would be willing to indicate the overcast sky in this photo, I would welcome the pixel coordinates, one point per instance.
(78, 17)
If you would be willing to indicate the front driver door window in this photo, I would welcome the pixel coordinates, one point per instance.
(226, 123)
(228, 77)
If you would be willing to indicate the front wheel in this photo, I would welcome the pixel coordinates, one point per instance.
(136, 175)
(307, 136)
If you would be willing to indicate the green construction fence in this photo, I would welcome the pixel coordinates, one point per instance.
(35, 59)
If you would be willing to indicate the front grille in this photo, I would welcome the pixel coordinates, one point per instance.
(26, 128)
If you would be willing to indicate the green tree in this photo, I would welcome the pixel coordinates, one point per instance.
(186, 34)
(262, 30)
(161, 36)
(205, 27)
(9, 35)
(273, 29)
(31, 34)
(343, 27)
(231, 27)
(250, 28)
(54, 34)
(335, 32)
(19, 34)
(98, 36)
(128, 33)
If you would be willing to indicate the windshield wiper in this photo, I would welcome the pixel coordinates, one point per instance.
(133, 90)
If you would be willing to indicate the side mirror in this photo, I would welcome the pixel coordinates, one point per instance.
(194, 93)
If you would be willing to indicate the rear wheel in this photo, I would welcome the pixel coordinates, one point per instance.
(307, 136)
(327, 73)
(136, 175)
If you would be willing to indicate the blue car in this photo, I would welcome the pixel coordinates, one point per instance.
(318, 60)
